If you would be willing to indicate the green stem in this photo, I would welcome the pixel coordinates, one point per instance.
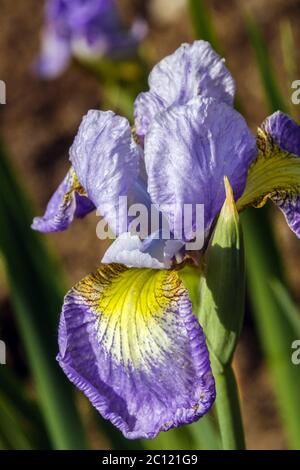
(228, 409)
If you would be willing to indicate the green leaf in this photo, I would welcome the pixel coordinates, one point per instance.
(205, 433)
(14, 392)
(202, 22)
(175, 439)
(265, 67)
(273, 322)
(286, 304)
(263, 264)
(36, 297)
(289, 48)
(11, 429)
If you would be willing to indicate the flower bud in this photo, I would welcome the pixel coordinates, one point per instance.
(222, 285)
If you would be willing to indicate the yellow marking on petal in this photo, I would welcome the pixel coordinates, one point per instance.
(229, 208)
(274, 173)
(74, 186)
(135, 136)
(135, 309)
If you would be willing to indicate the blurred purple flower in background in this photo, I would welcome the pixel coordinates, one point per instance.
(84, 28)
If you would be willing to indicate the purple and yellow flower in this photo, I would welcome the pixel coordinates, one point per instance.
(128, 336)
(84, 28)
(275, 174)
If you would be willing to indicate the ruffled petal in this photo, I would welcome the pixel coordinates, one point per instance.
(129, 340)
(106, 160)
(68, 201)
(284, 131)
(146, 106)
(129, 250)
(188, 151)
(275, 174)
(157, 251)
(192, 70)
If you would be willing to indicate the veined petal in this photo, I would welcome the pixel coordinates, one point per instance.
(128, 249)
(106, 160)
(68, 201)
(154, 252)
(192, 70)
(188, 151)
(275, 174)
(146, 106)
(284, 131)
(129, 340)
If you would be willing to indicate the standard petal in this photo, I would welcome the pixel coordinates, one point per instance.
(106, 160)
(146, 106)
(275, 174)
(55, 55)
(192, 70)
(68, 201)
(129, 340)
(188, 151)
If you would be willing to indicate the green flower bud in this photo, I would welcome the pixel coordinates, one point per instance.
(222, 285)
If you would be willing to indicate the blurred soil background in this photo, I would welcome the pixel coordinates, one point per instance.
(41, 118)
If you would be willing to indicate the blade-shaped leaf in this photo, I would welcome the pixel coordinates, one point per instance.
(274, 326)
(36, 298)
(264, 64)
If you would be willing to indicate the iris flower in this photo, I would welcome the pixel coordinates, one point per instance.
(128, 337)
(84, 28)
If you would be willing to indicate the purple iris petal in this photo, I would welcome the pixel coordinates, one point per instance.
(107, 162)
(83, 206)
(147, 105)
(188, 151)
(285, 132)
(192, 70)
(145, 370)
(66, 203)
(84, 27)
(155, 252)
(129, 249)
(291, 210)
